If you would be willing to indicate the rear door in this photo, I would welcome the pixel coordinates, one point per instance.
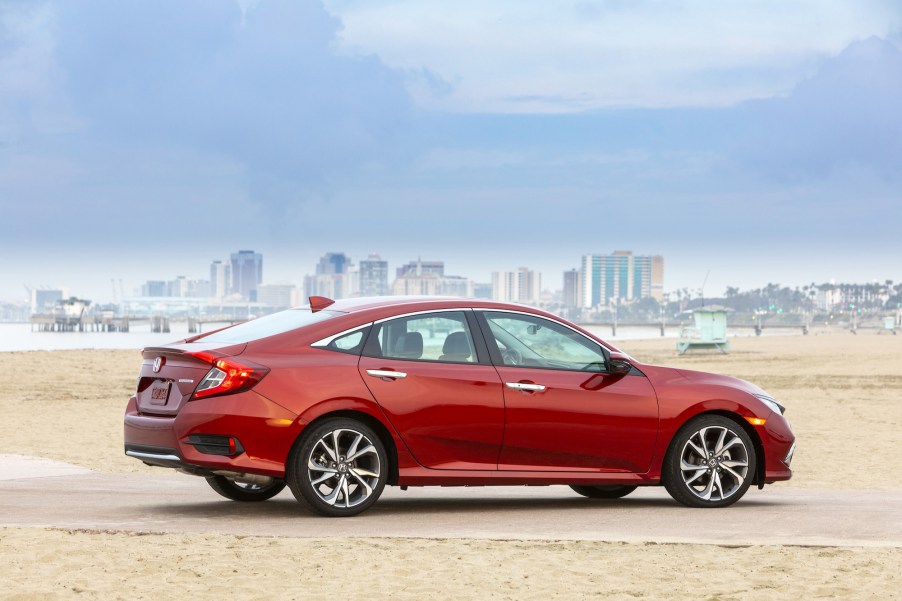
(437, 388)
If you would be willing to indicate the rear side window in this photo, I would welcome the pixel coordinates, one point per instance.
(269, 325)
(430, 337)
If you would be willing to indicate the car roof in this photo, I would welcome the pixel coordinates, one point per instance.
(416, 303)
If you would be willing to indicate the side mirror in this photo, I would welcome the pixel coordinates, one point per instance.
(619, 364)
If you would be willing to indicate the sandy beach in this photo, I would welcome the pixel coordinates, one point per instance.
(844, 399)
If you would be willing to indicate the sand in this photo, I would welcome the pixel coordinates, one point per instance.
(844, 399)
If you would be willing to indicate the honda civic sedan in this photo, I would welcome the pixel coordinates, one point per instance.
(338, 399)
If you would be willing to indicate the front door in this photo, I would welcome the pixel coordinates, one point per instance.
(564, 411)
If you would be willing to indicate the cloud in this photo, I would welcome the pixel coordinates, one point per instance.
(611, 53)
(845, 116)
(263, 86)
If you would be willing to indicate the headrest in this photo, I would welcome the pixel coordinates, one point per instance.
(457, 344)
(410, 345)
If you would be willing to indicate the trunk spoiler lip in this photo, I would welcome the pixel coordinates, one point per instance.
(180, 349)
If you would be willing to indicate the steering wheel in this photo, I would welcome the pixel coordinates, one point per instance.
(511, 356)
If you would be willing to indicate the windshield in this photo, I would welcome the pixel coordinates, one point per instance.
(269, 325)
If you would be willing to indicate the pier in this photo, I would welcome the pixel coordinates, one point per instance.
(47, 322)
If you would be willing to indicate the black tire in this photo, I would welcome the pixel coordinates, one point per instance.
(719, 479)
(608, 491)
(246, 493)
(342, 485)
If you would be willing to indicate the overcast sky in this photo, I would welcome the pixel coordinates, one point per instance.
(758, 140)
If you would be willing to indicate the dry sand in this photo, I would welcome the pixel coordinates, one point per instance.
(844, 399)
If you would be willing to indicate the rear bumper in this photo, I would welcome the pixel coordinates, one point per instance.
(266, 431)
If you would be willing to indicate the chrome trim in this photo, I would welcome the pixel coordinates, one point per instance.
(572, 329)
(788, 459)
(328, 339)
(384, 373)
(402, 315)
(525, 387)
(158, 457)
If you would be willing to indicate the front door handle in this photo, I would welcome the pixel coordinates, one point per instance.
(525, 387)
(386, 373)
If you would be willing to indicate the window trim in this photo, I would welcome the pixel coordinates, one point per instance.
(324, 343)
(480, 347)
(495, 352)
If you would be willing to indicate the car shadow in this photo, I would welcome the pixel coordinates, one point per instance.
(464, 505)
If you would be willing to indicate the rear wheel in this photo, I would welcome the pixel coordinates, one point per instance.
(710, 463)
(339, 468)
(245, 491)
(609, 491)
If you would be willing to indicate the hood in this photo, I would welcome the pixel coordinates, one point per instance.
(701, 377)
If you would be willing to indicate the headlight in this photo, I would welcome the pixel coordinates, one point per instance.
(772, 403)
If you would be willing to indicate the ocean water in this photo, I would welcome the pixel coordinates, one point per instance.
(20, 337)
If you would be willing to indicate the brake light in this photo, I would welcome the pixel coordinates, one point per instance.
(227, 376)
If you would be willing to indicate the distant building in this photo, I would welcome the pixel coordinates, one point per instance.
(278, 296)
(220, 279)
(570, 293)
(185, 287)
(155, 288)
(421, 268)
(247, 273)
(482, 290)
(419, 278)
(455, 285)
(332, 278)
(621, 276)
(45, 301)
(373, 278)
(521, 286)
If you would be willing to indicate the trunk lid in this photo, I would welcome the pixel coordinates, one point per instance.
(170, 374)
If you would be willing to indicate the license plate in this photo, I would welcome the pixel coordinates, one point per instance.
(159, 393)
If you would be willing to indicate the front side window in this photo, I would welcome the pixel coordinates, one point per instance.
(531, 341)
(428, 337)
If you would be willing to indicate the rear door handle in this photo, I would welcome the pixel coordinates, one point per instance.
(525, 387)
(386, 373)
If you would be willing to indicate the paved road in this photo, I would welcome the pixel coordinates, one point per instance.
(57, 496)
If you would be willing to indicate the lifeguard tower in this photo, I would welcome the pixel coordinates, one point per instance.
(709, 332)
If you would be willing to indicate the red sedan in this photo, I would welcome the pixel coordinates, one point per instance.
(340, 398)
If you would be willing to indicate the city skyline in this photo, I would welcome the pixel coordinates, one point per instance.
(112, 289)
(743, 151)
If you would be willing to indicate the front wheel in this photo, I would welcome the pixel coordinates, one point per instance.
(339, 468)
(608, 491)
(245, 492)
(710, 463)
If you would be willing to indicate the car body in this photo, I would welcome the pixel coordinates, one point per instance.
(340, 398)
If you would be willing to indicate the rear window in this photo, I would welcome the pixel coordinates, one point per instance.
(269, 325)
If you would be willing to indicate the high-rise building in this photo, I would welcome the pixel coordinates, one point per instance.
(521, 286)
(421, 268)
(333, 277)
(621, 276)
(247, 273)
(419, 278)
(570, 294)
(220, 279)
(155, 288)
(373, 276)
(333, 263)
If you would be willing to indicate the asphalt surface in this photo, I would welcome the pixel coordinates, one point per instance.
(40, 493)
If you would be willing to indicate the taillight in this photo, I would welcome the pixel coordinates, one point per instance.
(227, 376)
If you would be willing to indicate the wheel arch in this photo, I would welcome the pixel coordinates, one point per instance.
(381, 430)
(758, 478)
